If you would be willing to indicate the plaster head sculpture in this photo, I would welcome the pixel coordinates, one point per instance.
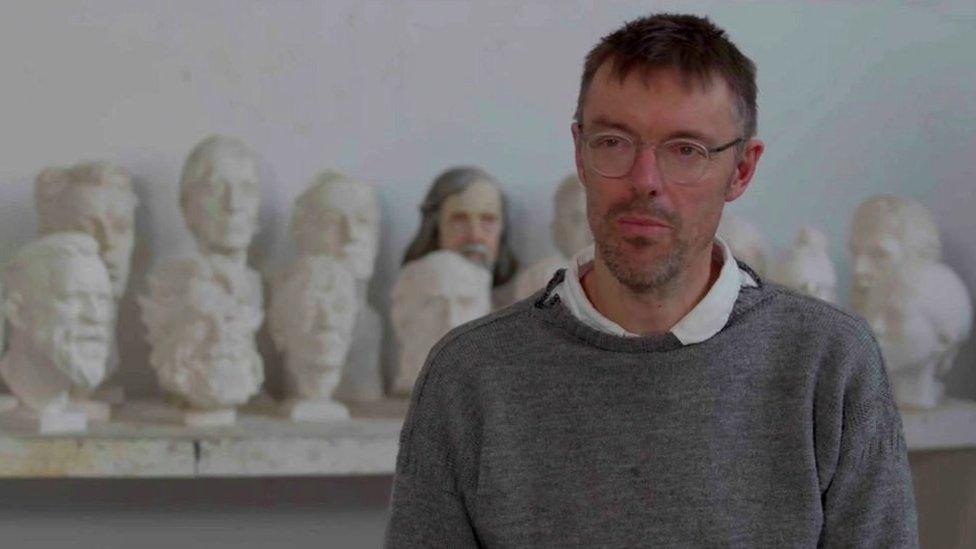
(746, 241)
(201, 314)
(313, 313)
(570, 228)
(219, 196)
(465, 211)
(432, 295)
(94, 198)
(889, 235)
(807, 266)
(60, 311)
(339, 217)
(570, 233)
(920, 330)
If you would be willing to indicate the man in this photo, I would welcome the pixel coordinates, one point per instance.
(60, 310)
(659, 395)
(465, 211)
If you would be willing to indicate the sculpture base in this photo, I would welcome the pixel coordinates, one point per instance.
(210, 418)
(49, 422)
(917, 392)
(68, 420)
(95, 410)
(314, 410)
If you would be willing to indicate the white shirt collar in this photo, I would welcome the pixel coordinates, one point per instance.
(706, 319)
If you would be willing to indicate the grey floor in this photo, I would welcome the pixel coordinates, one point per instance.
(185, 514)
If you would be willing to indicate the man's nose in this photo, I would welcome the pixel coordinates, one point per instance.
(645, 174)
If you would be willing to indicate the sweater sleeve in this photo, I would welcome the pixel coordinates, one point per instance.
(868, 499)
(428, 507)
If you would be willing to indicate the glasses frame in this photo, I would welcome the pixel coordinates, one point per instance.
(639, 145)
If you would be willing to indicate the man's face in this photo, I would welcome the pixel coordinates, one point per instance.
(224, 208)
(70, 321)
(346, 227)
(321, 329)
(648, 230)
(109, 218)
(470, 223)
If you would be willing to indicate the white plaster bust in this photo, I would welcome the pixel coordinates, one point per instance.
(61, 313)
(339, 217)
(570, 233)
(746, 240)
(219, 196)
(432, 295)
(889, 234)
(313, 312)
(201, 314)
(807, 267)
(918, 308)
(94, 198)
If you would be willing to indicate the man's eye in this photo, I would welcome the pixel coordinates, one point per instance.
(608, 142)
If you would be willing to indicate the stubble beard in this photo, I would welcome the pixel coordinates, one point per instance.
(640, 278)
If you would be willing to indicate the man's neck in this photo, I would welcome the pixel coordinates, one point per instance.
(655, 311)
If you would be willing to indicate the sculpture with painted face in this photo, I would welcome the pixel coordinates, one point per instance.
(807, 267)
(313, 312)
(94, 198)
(60, 311)
(431, 296)
(465, 211)
(201, 314)
(219, 196)
(918, 308)
(339, 217)
(570, 233)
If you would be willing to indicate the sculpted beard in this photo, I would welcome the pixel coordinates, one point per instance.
(639, 277)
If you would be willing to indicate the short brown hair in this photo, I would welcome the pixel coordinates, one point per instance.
(692, 45)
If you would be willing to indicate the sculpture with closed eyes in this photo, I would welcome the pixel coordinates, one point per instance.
(202, 312)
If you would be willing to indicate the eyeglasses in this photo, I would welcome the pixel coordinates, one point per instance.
(681, 161)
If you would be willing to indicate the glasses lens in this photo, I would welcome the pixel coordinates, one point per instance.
(682, 161)
(611, 155)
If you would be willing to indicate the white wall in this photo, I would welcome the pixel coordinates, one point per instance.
(855, 99)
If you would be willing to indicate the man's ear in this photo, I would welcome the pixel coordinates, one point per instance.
(578, 151)
(745, 169)
(13, 310)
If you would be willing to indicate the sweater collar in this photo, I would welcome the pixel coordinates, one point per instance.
(703, 321)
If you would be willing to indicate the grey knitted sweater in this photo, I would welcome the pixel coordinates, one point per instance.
(529, 429)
